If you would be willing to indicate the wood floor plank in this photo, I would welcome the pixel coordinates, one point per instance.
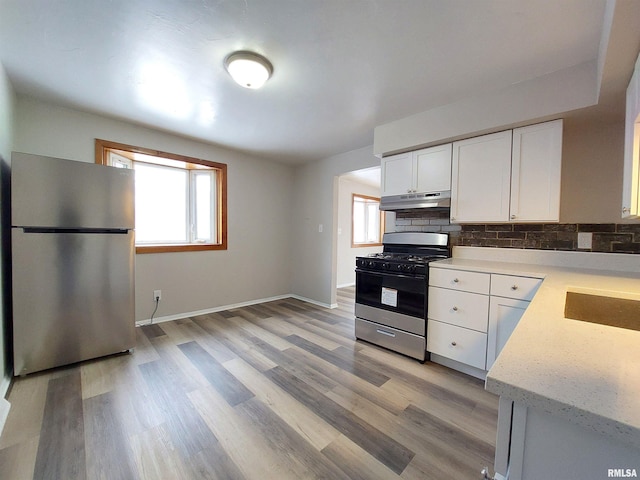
(385, 449)
(156, 457)
(152, 330)
(109, 456)
(18, 461)
(305, 372)
(213, 463)
(61, 449)
(301, 458)
(249, 452)
(390, 401)
(231, 389)
(188, 432)
(25, 422)
(236, 340)
(308, 425)
(357, 463)
(359, 369)
(283, 328)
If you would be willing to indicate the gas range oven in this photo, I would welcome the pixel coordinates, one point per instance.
(392, 288)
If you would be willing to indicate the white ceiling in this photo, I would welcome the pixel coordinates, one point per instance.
(341, 67)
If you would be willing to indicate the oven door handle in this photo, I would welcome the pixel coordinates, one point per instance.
(392, 274)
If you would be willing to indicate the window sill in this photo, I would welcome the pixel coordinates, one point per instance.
(360, 245)
(187, 247)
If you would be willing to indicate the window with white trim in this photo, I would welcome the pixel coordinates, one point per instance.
(180, 201)
(366, 221)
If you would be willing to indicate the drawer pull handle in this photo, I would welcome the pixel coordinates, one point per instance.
(455, 309)
(453, 344)
(514, 287)
(388, 334)
(455, 280)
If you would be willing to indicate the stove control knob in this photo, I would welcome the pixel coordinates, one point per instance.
(371, 263)
(385, 266)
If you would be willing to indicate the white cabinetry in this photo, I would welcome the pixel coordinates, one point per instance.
(473, 314)
(481, 178)
(532, 444)
(536, 161)
(631, 185)
(458, 312)
(508, 176)
(426, 170)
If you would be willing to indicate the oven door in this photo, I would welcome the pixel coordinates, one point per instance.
(403, 294)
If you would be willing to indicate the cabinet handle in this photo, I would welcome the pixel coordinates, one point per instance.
(453, 218)
(513, 217)
(455, 309)
(455, 280)
(453, 344)
(514, 287)
(626, 209)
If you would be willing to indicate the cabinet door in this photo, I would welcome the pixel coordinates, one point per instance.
(433, 168)
(397, 174)
(481, 179)
(631, 184)
(535, 173)
(504, 315)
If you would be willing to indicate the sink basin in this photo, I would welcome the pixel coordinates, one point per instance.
(615, 309)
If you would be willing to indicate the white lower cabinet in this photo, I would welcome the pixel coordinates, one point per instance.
(471, 315)
(504, 315)
(457, 343)
(533, 445)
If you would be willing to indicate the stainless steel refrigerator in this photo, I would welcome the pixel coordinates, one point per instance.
(72, 261)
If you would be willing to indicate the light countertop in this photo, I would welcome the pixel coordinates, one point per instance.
(586, 373)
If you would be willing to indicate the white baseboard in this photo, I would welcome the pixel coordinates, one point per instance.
(345, 285)
(221, 308)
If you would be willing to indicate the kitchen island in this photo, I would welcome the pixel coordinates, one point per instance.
(570, 389)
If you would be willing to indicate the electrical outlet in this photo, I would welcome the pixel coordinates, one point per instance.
(585, 240)
(157, 294)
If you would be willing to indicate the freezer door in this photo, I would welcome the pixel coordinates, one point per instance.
(56, 193)
(73, 297)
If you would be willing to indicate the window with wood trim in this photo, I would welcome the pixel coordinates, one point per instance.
(366, 221)
(181, 202)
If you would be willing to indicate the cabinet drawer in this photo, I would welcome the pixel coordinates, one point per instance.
(511, 286)
(460, 280)
(457, 343)
(469, 310)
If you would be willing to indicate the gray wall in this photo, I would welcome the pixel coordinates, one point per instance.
(315, 202)
(256, 264)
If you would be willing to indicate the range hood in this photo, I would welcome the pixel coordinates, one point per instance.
(407, 201)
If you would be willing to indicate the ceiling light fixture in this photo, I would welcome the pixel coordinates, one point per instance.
(248, 69)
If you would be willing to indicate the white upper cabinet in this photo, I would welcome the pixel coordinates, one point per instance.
(631, 185)
(426, 170)
(511, 176)
(433, 168)
(480, 178)
(397, 174)
(535, 173)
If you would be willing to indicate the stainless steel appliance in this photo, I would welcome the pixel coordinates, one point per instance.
(72, 245)
(391, 291)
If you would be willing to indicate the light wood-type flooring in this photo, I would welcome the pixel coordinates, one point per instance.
(279, 390)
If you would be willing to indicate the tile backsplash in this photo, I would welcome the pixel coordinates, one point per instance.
(606, 237)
